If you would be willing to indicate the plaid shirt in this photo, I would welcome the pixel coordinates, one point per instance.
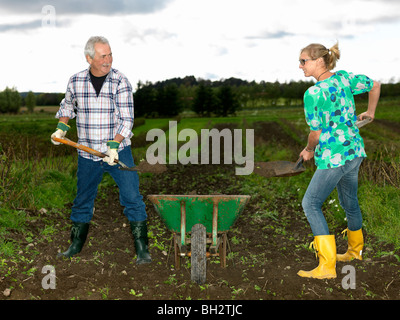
(99, 118)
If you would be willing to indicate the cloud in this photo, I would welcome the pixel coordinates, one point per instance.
(30, 25)
(100, 7)
(270, 35)
(381, 19)
(20, 26)
(133, 33)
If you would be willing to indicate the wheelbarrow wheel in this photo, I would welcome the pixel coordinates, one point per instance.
(198, 255)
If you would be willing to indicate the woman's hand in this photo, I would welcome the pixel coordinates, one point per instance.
(306, 154)
(373, 98)
(365, 115)
(312, 142)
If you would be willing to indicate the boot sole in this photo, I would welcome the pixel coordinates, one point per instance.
(305, 274)
(143, 261)
(319, 278)
(347, 259)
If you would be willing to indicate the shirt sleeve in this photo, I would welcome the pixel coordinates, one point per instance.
(311, 98)
(125, 107)
(68, 103)
(360, 83)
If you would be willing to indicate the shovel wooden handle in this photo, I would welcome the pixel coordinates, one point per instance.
(80, 147)
(92, 151)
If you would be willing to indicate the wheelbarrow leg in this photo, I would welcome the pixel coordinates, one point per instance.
(215, 239)
(215, 223)
(176, 250)
(183, 223)
(198, 254)
(222, 250)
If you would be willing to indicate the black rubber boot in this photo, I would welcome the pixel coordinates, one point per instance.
(79, 233)
(139, 232)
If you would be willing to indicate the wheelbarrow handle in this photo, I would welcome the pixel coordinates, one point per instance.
(88, 150)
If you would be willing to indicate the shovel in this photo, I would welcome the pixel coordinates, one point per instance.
(143, 166)
(287, 168)
(279, 168)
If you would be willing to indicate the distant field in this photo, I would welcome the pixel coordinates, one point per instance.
(50, 109)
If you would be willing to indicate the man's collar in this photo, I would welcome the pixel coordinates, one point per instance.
(89, 73)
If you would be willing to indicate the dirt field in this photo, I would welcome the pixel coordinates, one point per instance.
(264, 253)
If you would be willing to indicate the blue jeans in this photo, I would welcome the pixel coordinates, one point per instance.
(345, 179)
(90, 173)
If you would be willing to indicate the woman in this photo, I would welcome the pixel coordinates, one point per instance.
(338, 149)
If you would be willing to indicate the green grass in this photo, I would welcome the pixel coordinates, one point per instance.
(35, 184)
(381, 211)
(150, 124)
(53, 189)
(11, 219)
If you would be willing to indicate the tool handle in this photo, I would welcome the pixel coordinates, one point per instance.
(81, 147)
(298, 163)
(361, 123)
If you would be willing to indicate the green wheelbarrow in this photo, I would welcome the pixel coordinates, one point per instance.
(208, 217)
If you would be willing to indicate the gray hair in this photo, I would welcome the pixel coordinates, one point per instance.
(89, 48)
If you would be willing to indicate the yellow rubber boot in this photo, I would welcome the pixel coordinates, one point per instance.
(355, 241)
(325, 247)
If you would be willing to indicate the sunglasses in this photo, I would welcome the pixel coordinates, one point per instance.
(303, 61)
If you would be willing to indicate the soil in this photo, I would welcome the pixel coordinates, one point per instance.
(264, 253)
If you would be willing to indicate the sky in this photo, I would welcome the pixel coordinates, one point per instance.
(42, 41)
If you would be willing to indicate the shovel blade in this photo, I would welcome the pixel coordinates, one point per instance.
(128, 169)
(145, 167)
(279, 168)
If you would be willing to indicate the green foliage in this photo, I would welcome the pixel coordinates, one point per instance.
(30, 101)
(10, 101)
(218, 98)
(49, 99)
(228, 103)
(34, 184)
(157, 101)
(381, 211)
(11, 219)
(54, 189)
(204, 101)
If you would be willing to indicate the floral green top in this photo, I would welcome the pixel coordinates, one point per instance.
(329, 106)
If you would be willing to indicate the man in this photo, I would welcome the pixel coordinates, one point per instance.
(101, 99)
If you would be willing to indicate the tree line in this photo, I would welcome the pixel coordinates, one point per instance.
(204, 97)
(224, 97)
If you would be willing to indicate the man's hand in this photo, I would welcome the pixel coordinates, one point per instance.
(112, 152)
(60, 133)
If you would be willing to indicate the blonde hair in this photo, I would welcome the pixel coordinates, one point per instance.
(330, 56)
